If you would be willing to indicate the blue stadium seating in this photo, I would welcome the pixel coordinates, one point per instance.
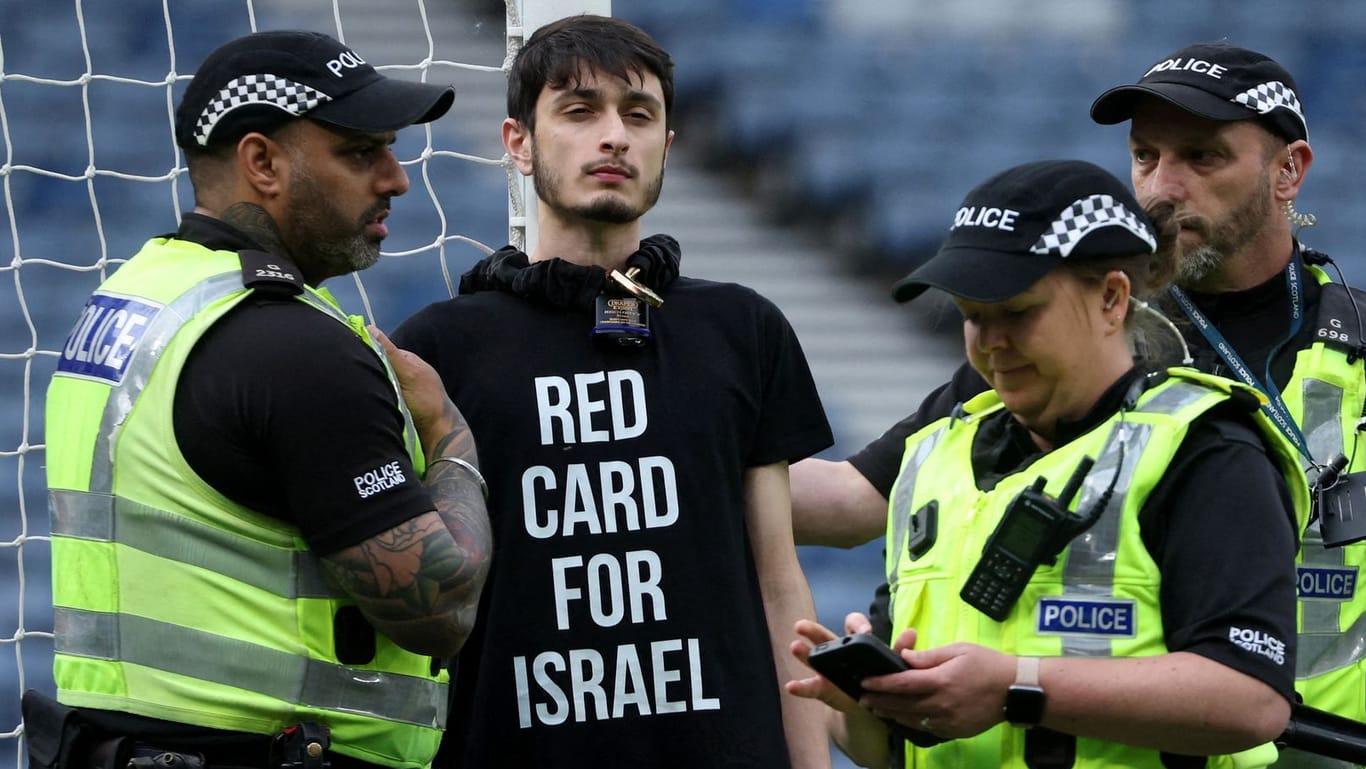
(886, 122)
(882, 136)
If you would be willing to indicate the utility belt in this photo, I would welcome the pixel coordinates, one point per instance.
(60, 737)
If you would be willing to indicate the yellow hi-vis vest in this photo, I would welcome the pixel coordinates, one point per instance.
(171, 601)
(1326, 395)
(1101, 597)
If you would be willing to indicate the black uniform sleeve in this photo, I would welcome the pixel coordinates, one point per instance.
(880, 460)
(288, 412)
(1223, 494)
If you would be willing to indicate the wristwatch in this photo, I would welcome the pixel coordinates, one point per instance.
(1025, 698)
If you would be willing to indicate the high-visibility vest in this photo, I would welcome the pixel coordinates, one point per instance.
(1326, 395)
(1100, 598)
(171, 601)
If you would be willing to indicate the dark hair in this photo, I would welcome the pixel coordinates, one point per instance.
(557, 54)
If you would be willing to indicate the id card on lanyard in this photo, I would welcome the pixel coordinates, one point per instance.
(1275, 405)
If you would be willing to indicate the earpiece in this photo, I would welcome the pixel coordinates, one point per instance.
(1291, 173)
(1186, 358)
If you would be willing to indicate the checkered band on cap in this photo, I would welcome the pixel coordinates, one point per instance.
(294, 98)
(1268, 96)
(1083, 216)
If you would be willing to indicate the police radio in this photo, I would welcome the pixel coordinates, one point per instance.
(1033, 530)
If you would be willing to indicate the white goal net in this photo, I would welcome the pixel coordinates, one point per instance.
(90, 171)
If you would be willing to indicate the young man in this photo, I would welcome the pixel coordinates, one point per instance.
(1218, 134)
(645, 581)
(248, 561)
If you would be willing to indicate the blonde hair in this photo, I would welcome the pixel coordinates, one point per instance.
(1153, 341)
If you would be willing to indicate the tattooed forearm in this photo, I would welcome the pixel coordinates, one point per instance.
(459, 498)
(458, 441)
(419, 582)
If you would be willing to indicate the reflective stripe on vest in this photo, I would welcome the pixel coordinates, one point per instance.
(105, 518)
(901, 502)
(1325, 644)
(185, 651)
(1090, 566)
(1096, 566)
(362, 699)
(124, 395)
(1323, 647)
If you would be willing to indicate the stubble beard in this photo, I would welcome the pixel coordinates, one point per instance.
(1221, 240)
(606, 208)
(322, 236)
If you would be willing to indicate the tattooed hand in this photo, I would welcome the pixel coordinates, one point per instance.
(434, 415)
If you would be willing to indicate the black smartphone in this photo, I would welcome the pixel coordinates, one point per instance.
(847, 661)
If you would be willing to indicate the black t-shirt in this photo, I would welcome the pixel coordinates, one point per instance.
(622, 624)
(284, 410)
(1256, 322)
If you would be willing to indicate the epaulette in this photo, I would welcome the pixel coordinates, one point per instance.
(1340, 319)
(270, 273)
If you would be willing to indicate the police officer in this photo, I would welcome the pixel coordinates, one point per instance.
(1219, 133)
(1047, 543)
(251, 567)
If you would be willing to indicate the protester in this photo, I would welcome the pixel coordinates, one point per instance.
(635, 426)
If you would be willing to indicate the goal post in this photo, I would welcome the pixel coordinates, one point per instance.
(524, 17)
(88, 90)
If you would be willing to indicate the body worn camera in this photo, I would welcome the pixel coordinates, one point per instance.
(1033, 530)
(1340, 503)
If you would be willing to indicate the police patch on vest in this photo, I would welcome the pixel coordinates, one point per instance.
(105, 336)
(1086, 616)
(1326, 583)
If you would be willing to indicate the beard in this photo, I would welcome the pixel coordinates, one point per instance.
(1196, 264)
(1222, 239)
(324, 238)
(606, 208)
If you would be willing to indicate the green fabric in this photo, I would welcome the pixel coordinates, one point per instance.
(1107, 567)
(173, 602)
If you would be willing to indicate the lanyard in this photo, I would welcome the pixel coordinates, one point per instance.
(1275, 405)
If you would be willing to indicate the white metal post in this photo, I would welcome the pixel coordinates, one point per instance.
(524, 16)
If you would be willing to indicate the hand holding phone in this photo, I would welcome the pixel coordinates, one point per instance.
(847, 661)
